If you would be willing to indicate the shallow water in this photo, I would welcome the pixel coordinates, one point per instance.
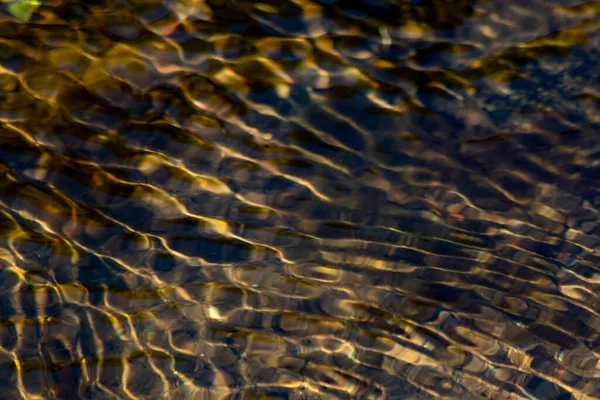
(300, 199)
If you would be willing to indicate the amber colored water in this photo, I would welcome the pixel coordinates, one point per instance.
(307, 199)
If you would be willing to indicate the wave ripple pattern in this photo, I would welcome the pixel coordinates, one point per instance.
(300, 199)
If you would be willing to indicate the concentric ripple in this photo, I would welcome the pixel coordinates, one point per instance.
(306, 199)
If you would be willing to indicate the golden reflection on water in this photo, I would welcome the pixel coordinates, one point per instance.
(300, 199)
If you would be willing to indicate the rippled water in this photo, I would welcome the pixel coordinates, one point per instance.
(308, 199)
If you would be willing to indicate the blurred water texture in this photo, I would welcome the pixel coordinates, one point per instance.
(300, 199)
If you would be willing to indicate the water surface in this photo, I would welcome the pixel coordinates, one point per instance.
(308, 199)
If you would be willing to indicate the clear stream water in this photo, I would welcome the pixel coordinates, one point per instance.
(232, 199)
